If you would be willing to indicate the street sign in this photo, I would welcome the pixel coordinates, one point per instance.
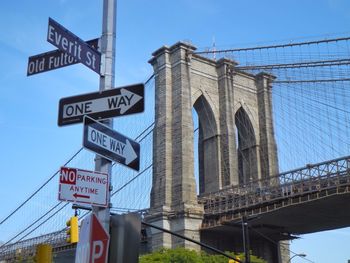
(101, 105)
(53, 60)
(69, 43)
(111, 144)
(93, 242)
(81, 186)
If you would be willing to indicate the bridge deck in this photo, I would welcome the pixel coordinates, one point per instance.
(318, 199)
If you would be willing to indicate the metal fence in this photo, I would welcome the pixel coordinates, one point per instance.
(24, 250)
(310, 179)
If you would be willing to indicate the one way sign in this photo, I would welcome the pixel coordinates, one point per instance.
(102, 105)
(110, 144)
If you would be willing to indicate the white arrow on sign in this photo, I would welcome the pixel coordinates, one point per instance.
(124, 102)
(132, 100)
(130, 154)
(122, 149)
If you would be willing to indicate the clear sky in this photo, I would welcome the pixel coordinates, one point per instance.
(33, 146)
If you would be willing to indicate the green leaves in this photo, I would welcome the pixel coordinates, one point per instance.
(182, 255)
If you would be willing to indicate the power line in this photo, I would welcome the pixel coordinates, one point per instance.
(57, 172)
(273, 46)
(32, 224)
(41, 187)
(320, 63)
(131, 180)
(276, 243)
(312, 80)
(47, 219)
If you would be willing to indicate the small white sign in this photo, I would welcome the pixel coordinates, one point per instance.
(82, 186)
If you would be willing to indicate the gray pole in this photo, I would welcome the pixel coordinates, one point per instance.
(245, 239)
(107, 48)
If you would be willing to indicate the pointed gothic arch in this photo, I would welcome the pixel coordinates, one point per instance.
(247, 156)
(208, 145)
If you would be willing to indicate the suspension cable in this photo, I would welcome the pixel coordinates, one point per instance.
(41, 187)
(51, 177)
(273, 46)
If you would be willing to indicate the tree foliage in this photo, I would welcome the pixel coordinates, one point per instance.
(182, 255)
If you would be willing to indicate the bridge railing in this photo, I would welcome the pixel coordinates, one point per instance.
(298, 182)
(26, 248)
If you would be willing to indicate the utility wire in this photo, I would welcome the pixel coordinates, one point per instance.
(115, 192)
(302, 64)
(276, 243)
(274, 46)
(51, 177)
(131, 180)
(41, 187)
(32, 224)
(47, 219)
(312, 80)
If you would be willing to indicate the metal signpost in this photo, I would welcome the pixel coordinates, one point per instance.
(72, 45)
(111, 144)
(82, 186)
(101, 105)
(100, 138)
(106, 83)
(53, 60)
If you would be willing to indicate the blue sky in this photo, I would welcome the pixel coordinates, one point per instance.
(33, 146)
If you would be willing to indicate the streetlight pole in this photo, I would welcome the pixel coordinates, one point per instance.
(107, 48)
(245, 239)
(297, 255)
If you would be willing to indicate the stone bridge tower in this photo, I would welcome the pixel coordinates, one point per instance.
(236, 138)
